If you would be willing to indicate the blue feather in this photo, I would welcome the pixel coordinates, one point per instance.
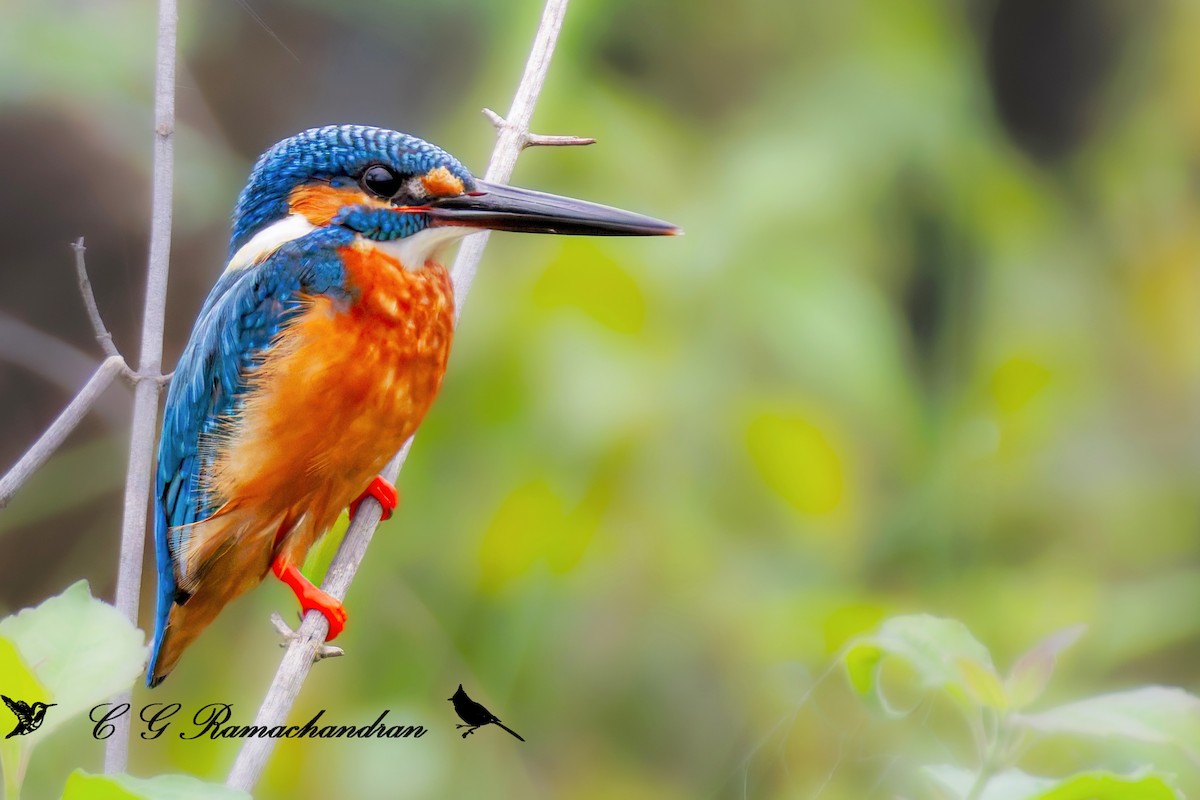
(234, 332)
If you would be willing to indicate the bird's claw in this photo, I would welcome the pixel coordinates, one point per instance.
(384, 491)
(329, 607)
(311, 597)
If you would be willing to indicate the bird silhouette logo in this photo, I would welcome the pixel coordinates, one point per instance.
(475, 715)
(29, 718)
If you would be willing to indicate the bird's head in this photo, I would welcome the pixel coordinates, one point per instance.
(391, 187)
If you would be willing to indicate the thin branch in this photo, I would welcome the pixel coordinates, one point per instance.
(287, 634)
(35, 343)
(59, 363)
(89, 301)
(538, 139)
(146, 393)
(307, 641)
(544, 140)
(32, 349)
(58, 431)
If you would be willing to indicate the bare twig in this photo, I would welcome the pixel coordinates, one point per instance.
(544, 140)
(54, 436)
(34, 346)
(89, 301)
(538, 139)
(285, 631)
(59, 363)
(307, 641)
(31, 353)
(145, 396)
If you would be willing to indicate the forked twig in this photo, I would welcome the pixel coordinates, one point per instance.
(537, 139)
(89, 302)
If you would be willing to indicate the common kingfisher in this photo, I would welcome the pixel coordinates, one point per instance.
(316, 355)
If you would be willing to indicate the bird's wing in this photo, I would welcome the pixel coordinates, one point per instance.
(236, 328)
(18, 707)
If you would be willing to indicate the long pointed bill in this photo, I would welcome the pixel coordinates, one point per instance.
(507, 208)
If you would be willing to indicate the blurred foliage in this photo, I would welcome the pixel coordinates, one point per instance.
(931, 343)
(941, 657)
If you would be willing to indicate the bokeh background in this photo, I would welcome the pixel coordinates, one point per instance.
(931, 343)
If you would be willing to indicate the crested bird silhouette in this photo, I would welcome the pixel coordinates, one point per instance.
(29, 718)
(475, 715)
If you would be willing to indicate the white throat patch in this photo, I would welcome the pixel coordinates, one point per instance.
(270, 239)
(413, 251)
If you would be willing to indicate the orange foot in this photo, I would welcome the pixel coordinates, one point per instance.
(383, 491)
(310, 597)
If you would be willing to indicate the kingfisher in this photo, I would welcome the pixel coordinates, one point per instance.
(315, 356)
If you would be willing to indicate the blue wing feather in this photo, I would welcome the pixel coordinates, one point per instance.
(244, 313)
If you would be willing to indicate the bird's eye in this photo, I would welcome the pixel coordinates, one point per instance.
(380, 181)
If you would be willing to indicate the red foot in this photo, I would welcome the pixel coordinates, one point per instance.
(381, 490)
(311, 598)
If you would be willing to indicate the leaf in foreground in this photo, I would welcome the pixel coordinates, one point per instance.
(85, 786)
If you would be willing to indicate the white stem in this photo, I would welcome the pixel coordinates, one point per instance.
(146, 393)
(54, 436)
(306, 644)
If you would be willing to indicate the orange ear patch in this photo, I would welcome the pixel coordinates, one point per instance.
(319, 203)
(441, 182)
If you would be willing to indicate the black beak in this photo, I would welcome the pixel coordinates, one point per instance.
(507, 208)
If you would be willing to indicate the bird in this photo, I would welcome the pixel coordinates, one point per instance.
(29, 718)
(316, 354)
(475, 715)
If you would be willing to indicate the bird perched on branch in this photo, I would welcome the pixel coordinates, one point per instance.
(315, 356)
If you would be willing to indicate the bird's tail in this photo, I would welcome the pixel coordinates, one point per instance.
(233, 568)
(510, 730)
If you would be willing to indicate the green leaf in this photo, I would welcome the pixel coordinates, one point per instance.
(957, 783)
(81, 649)
(18, 682)
(1152, 714)
(983, 684)
(1110, 786)
(1032, 671)
(863, 661)
(934, 648)
(85, 786)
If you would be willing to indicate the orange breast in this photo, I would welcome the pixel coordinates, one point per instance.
(341, 390)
